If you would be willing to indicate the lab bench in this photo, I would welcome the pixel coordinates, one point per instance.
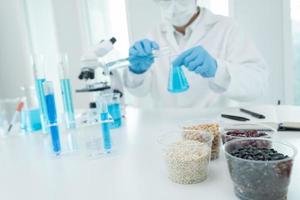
(134, 171)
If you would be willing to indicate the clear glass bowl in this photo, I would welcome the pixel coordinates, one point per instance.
(245, 130)
(260, 179)
(186, 160)
(210, 126)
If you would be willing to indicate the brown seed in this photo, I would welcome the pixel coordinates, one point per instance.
(210, 128)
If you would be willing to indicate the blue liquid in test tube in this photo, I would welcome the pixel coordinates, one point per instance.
(105, 132)
(52, 117)
(39, 85)
(68, 102)
(115, 111)
(55, 139)
(39, 76)
(66, 92)
(102, 102)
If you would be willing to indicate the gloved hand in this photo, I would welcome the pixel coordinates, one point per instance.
(198, 60)
(140, 56)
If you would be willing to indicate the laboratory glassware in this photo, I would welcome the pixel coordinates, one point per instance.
(66, 91)
(102, 104)
(30, 114)
(99, 145)
(177, 80)
(110, 66)
(52, 117)
(16, 115)
(114, 109)
(38, 63)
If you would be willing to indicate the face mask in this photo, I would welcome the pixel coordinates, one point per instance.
(178, 12)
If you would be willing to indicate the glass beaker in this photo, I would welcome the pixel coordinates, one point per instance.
(31, 114)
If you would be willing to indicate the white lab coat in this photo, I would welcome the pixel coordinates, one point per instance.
(241, 74)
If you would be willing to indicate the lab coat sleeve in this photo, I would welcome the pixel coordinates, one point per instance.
(137, 84)
(140, 84)
(242, 73)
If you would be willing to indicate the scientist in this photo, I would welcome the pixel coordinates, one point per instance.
(221, 65)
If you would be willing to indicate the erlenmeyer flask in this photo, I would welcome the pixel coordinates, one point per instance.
(177, 80)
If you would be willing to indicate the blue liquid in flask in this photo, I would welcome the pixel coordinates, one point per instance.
(177, 80)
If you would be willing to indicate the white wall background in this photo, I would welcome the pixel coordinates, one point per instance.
(267, 22)
(14, 49)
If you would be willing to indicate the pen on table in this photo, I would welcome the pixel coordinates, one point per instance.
(236, 118)
(253, 114)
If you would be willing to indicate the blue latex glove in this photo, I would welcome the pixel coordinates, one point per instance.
(197, 60)
(141, 57)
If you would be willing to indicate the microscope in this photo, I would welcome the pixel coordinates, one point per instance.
(92, 61)
(104, 85)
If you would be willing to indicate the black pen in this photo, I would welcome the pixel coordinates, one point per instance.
(236, 118)
(253, 114)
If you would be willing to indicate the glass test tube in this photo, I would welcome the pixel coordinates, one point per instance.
(102, 102)
(52, 117)
(66, 92)
(114, 109)
(39, 78)
(31, 114)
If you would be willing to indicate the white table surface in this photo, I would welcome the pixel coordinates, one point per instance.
(134, 172)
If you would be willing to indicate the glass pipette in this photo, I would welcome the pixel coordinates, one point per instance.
(16, 114)
(124, 62)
